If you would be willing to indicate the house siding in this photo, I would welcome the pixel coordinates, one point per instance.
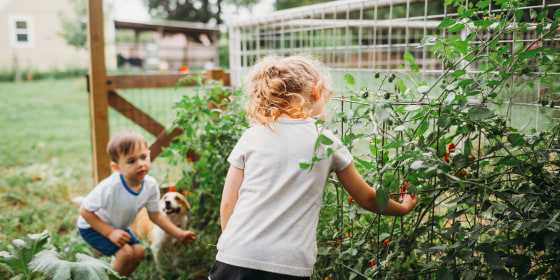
(49, 51)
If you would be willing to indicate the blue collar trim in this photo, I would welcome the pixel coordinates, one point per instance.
(128, 189)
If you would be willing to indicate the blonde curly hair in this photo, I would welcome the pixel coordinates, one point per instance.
(284, 85)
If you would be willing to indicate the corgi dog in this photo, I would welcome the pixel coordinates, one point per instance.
(176, 208)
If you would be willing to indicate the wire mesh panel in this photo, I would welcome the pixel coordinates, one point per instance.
(157, 103)
(363, 37)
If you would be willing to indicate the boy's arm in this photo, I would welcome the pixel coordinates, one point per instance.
(233, 182)
(117, 236)
(365, 196)
(164, 223)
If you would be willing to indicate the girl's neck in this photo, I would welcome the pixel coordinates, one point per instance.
(285, 115)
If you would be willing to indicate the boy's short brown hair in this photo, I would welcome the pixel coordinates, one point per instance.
(123, 142)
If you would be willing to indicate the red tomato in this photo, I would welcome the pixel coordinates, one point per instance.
(451, 147)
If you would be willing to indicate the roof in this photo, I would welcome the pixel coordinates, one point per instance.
(190, 29)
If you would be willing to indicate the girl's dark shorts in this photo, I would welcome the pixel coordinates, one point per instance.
(222, 271)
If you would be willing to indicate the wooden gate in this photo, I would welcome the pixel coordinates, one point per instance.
(103, 93)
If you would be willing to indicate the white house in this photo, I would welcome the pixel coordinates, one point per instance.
(29, 31)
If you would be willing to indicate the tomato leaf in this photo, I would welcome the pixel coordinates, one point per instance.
(382, 198)
(349, 79)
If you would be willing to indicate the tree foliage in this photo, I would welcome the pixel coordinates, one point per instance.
(288, 4)
(74, 28)
(193, 10)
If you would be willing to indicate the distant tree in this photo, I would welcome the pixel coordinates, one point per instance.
(74, 27)
(287, 4)
(193, 10)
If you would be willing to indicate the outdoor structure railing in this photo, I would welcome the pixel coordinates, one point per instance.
(364, 36)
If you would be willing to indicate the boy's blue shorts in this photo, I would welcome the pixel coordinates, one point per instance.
(102, 243)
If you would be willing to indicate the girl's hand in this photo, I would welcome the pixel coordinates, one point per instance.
(409, 201)
(187, 237)
(119, 237)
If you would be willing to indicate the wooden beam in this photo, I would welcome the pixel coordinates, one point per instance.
(134, 114)
(115, 82)
(163, 140)
(98, 98)
(217, 74)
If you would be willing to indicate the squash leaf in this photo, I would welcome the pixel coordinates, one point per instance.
(86, 267)
(21, 252)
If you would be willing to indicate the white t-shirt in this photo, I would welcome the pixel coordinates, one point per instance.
(116, 204)
(274, 222)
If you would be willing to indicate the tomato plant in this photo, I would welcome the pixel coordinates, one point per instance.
(488, 205)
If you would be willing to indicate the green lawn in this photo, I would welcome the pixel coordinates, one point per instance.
(44, 122)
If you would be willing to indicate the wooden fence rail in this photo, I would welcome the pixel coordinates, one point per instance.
(103, 93)
(113, 99)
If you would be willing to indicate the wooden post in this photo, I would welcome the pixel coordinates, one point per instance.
(217, 74)
(98, 97)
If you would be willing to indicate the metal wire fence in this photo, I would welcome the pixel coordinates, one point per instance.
(364, 37)
(379, 42)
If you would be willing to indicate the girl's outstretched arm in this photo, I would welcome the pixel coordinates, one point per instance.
(365, 196)
(233, 182)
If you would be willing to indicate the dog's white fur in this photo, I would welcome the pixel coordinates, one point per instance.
(176, 208)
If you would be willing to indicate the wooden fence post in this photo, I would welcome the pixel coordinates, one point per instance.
(217, 74)
(98, 96)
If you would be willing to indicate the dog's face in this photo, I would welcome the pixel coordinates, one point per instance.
(174, 203)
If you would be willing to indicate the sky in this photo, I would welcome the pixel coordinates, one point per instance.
(135, 10)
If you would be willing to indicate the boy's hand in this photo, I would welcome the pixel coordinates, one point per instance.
(119, 237)
(187, 237)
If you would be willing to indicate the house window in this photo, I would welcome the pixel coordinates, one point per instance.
(21, 31)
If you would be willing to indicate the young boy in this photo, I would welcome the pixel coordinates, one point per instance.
(111, 206)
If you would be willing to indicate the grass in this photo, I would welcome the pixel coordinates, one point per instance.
(45, 158)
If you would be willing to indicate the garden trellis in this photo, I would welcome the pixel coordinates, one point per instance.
(412, 78)
(362, 37)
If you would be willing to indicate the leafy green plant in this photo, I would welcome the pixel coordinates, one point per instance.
(21, 252)
(487, 204)
(49, 263)
(212, 121)
(30, 256)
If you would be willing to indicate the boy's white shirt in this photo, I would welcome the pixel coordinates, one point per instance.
(115, 204)
(274, 222)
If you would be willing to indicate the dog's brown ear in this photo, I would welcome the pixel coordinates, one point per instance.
(164, 188)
